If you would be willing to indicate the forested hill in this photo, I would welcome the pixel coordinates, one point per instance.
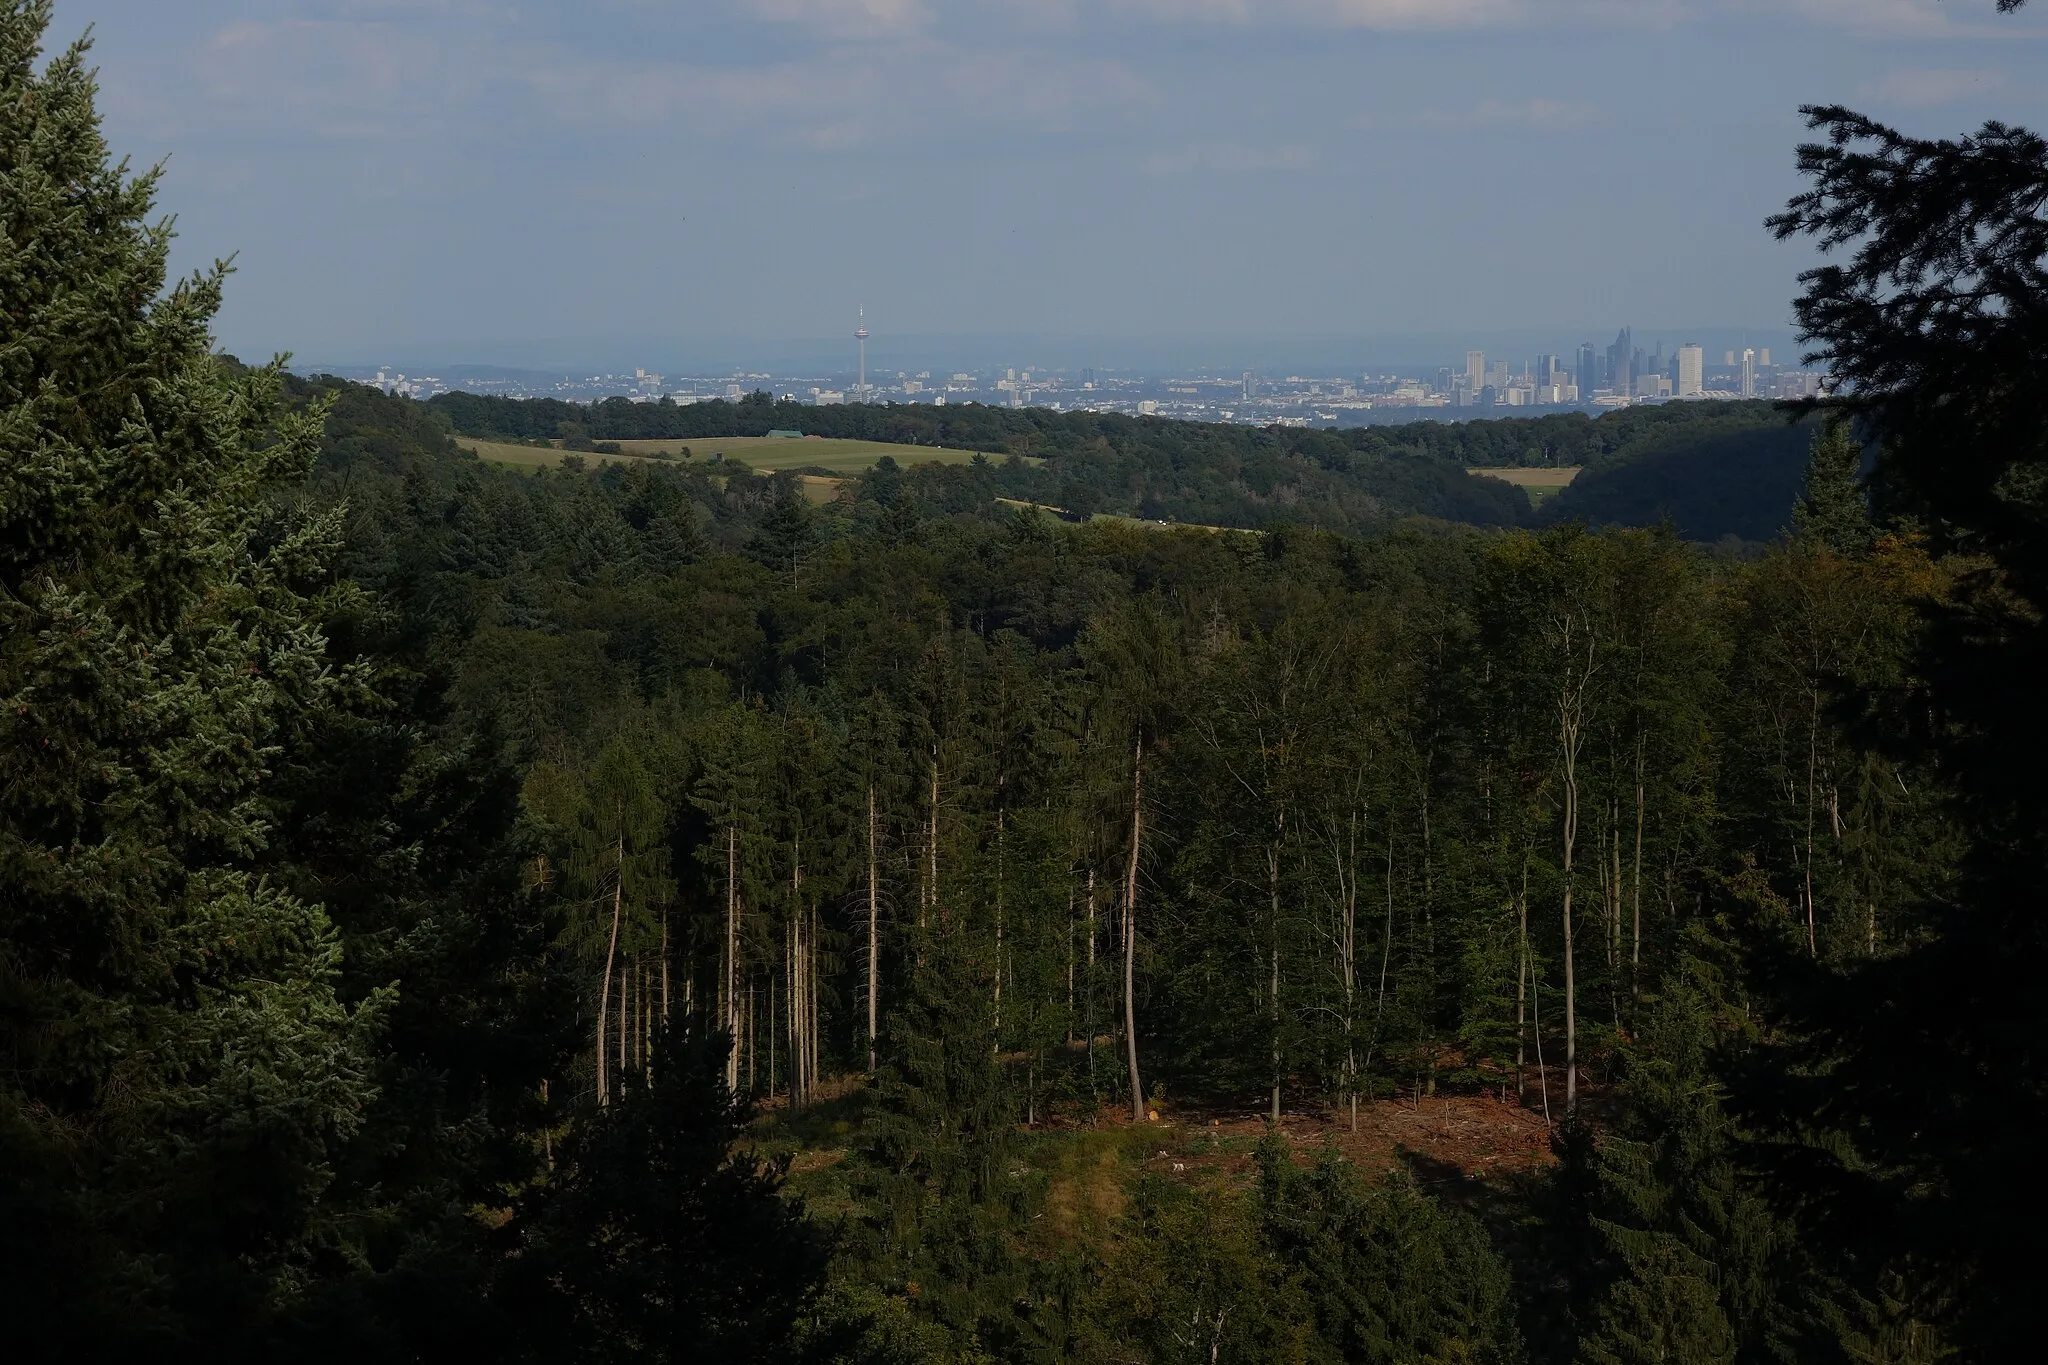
(1231, 475)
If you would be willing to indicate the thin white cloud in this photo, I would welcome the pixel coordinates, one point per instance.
(846, 18)
(1231, 158)
(1905, 18)
(1540, 112)
(1361, 14)
(1926, 88)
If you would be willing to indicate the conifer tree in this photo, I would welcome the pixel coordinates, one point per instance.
(1832, 509)
(180, 1068)
(659, 1237)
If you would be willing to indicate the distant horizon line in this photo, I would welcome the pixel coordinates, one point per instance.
(1070, 351)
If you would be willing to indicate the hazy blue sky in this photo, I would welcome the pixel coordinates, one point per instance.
(522, 181)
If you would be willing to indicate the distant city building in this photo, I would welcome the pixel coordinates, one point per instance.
(1589, 369)
(1692, 371)
(1748, 373)
(1148, 407)
(1763, 357)
(1475, 369)
(1621, 362)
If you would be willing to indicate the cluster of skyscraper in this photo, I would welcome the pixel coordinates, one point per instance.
(1623, 372)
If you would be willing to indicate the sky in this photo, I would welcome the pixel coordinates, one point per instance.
(690, 186)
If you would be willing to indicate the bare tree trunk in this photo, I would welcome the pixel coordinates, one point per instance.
(799, 1083)
(1070, 961)
(787, 1000)
(730, 965)
(1522, 982)
(1131, 927)
(1614, 913)
(874, 930)
(1273, 949)
(1570, 724)
(1635, 959)
(931, 874)
(1812, 763)
(1089, 986)
(1379, 1009)
(789, 1021)
(1542, 1071)
(1347, 890)
(664, 966)
(998, 1001)
(604, 999)
(813, 1068)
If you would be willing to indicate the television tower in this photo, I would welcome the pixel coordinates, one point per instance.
(860, 334)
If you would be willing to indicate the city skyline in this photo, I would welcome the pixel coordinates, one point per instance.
(524, 182)
(1590, 379)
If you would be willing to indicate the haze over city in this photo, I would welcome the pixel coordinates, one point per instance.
(1149, 183)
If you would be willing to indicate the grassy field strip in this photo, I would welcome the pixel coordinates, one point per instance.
(770, 453)
(524, 457)
(765, 454)
(820, 489)
(1537, 483)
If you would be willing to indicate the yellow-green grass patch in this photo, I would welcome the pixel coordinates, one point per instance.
(765, 454)
(1537, 483)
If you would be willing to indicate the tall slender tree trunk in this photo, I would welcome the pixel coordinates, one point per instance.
(730, 965)
(1522, 982)
(1569, 725)
(1273, 950)
(1131, 927)
(997, 1003)
(1635, 951)
(789, 1020)
(814, 1069)
(874, 930)
(799, 1085)
(1089, 986)
(1614, 914)
(1812, 765)
(931, 872)
(1347, 890)
(611, 952)
(1542, 1071)
(1070, 961)
(1379, 1008)
(664, 966)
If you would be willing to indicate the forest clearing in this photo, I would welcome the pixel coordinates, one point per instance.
(1538, 483)
(765, 454)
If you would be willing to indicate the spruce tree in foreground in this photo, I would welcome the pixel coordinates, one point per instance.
(178, 1067)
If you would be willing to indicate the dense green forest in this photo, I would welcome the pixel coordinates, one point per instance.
(635, 913)
(1713, 469)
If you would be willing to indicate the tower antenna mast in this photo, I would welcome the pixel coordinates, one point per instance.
(860, 334)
